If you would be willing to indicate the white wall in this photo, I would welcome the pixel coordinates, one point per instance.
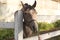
(48, 18)
(48, 7)
(44, 7)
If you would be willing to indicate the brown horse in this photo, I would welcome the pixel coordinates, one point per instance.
(29, 14)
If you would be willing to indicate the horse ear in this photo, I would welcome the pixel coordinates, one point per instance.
(22, 4)
(34, 5)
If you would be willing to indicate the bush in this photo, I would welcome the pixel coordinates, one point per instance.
(43, 26)
(57, 23)
(6, 34)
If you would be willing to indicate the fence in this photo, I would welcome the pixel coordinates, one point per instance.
(18, 27)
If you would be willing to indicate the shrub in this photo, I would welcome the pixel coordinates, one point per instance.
(57, 23)
(43, 26)
(6, 34)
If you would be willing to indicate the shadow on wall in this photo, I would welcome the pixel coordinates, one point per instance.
(56, 0)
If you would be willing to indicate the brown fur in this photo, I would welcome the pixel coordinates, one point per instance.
(29, 24)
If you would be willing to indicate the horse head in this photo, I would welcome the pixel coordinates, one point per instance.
(29, 12)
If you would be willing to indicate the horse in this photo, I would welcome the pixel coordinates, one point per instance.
(30, 25)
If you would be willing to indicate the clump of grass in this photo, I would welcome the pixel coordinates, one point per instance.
(43, 26)
(6, 34)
